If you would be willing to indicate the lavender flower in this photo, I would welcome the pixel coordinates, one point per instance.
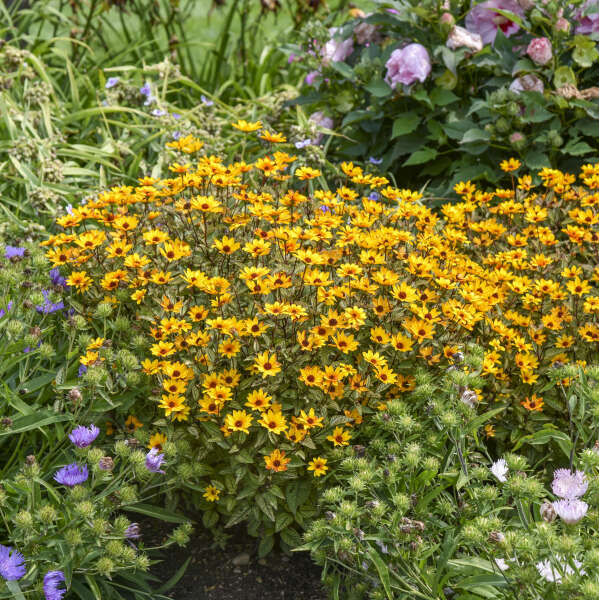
(14, 252)
(83, 436)
(176, 116)
(571, 510)
(112, 81)
(57, 279)
(8, 308)
(146, 90)
(206, 101)
(82, 371)
(133, 532)
(154, 461)
(499, 468)
(11, 563)
(311, 77)
(303, 143)
(72, 475)
(569, 485)
(48, 307)
(374, 196)
(375, 161)
(52, 579)
(158, 112)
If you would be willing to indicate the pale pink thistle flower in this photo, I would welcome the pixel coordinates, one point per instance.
(569, 485)
(540, 50)
(482, 19)
(571, 511)
(407, 65)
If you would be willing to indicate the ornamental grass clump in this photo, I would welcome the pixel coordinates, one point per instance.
(279, 312)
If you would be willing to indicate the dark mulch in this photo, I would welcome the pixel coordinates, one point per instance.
(212, 574)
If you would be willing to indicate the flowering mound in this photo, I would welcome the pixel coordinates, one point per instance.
(279, 314)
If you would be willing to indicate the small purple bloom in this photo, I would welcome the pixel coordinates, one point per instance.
(324, 209)
(303, 143)
(375, 161)
(52, 579)
(11, 564)
(373, 196)
(158, 112)
(72, 475)
(83, 436)
(206, 101)
(82, 371)
(8, 309)
(57, 279)
(14, 252)
(311, 76)
(69, 209)
(154, 461)
(48, 307)
(176, 135)
(133, 532)
(145, 89)
(290, 58)
(176, 116)
(407, 65)
(112, 81)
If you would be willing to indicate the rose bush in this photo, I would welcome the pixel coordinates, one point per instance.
(443, 91)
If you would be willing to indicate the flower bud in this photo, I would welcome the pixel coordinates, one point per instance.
(548, 513)
(75, 396)
(497, 537)
(105, 566)
(562, 25)
(106, 463)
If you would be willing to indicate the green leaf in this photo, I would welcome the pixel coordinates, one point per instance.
(282, 521)
(29, 422)
(421, 156)
(442, 96)
(156, 512)
(479, 421)
(344, 70)
(379, 88)
(15, 590)
(577, 147)
(291, 537)
(266, 545)
(536, 160)
(564, 76)
(210, 519)
(382, 570)
(406, 123)
(475, 135)
(172, 582)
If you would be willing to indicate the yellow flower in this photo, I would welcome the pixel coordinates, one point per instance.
(276, 461)
(246, 126)
(339, 437)
(238, 420)
(318, 465)
(157, 440)
(274, 421)
(211, 493)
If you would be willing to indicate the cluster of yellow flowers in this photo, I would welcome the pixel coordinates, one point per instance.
(287, 311)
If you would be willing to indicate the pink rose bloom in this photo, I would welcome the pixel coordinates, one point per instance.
(562, 25)
(407, 65)
(336, 50)
(589, 23)
(482, 19)
(540, 50)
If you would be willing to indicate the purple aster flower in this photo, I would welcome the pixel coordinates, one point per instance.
(206, 101)
(14, 252)
(571, 511)
(112, 81)
(375, 161)
(83, 436)
(133, 532)
(52, 579)
(48, 307)
(72, 475)
(569, 485)
(154, 461)
(82, 371)
(8, 309)
(57, 279)
(373, 196)
(145, 90)
(11, 564)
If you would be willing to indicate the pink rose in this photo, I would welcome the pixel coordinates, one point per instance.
(407, 65)
(589, 23)
(562, 25)
(540, 50)
(483, 19)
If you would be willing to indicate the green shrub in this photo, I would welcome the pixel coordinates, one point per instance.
(465, 116)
